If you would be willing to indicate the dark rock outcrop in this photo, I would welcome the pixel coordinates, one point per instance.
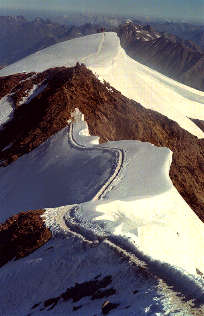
(22, 234)
(80, 290)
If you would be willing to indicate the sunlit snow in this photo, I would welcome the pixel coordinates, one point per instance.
(107, 201)
(142, 206)
(103, 54)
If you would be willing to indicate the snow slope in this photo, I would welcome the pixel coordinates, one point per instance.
(147, 241)
(48, 272)
(53, 175)
(6, 110)
(62, 263)
(103, 54)
(138, 203)
(140, 215)
(141, 207)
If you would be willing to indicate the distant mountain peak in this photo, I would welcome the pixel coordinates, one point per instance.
(179, 59)
(137, 31)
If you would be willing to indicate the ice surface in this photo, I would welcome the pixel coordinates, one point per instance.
(103, 54)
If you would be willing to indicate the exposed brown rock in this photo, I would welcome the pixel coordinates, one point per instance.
(111, 116)
(90, 288)
(8, 83)
(22, 234)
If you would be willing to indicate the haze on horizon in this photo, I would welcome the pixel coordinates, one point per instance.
(180, 10)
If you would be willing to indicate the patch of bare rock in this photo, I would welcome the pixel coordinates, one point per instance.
(95, 289)
(22, 234)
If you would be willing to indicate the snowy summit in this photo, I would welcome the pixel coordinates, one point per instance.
(123, 233)
(103, 54)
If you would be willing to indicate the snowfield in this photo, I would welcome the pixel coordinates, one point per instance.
(112, 208)
(141, 207)
(103, 54)
(148, 244)
(53, 175)
(6, 110)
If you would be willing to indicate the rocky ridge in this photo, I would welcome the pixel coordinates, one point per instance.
(179, 59)
(21, 234)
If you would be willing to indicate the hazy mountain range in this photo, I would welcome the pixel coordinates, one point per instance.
(177, 58)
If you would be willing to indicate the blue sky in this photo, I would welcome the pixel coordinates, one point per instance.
(182, 9)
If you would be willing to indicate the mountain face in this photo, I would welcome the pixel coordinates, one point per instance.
(109, 115)
(87, 204)
(44, 91)
(178, 59)
(186, 31)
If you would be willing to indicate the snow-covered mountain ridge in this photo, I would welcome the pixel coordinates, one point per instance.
(109, 114)
(104, 55)
(115, 197)
(137, 222)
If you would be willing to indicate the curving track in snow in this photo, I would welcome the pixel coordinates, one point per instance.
(71, 221)
(103, 54)
(118, 165)
(97, 53)
(61, 223)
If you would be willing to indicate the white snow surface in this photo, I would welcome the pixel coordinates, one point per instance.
(54, 174)
(34, 92)
(103, 54)
(154, 230)
(138, 213)
(141, 207)
(139, 204)
(60, 264)
(6, 110)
